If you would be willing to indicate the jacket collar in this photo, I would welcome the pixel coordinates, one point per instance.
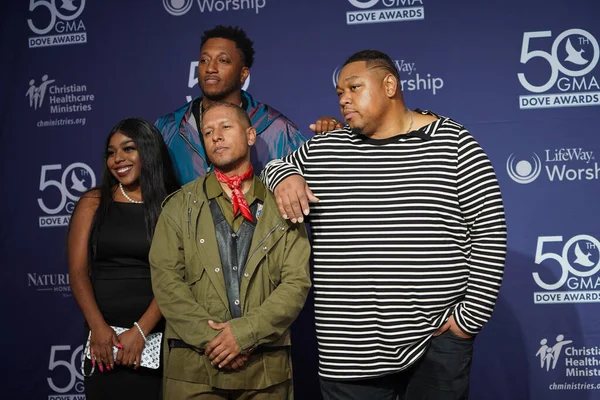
(261, 115)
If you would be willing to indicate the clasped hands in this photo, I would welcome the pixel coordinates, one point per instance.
(130, 345)
(224, 351)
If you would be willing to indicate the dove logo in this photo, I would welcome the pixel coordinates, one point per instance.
(573, 57)
(579, 265)
(582, 258)
(523, 171)
(193, 79)
(56, 24)
(77, 184)
(61, 195)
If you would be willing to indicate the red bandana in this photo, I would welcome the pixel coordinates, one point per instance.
(237, 198)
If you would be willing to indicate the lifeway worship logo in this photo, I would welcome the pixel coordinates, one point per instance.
(558, 165)
(408, 81)
(76, 179)
(178, 8)
(386, 11)
(572, 360)
(573, 57)
(193, 79)
(62, 99)
(56, 25)
(569, 272)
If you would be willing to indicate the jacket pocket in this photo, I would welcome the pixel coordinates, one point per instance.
(192, 277)
(274, 270)
(218, 311)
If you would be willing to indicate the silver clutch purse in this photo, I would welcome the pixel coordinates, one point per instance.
(150, 353)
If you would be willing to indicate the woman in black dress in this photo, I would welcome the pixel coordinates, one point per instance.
(108, 242)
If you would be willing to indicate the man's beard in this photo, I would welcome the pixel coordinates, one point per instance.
(357, 131)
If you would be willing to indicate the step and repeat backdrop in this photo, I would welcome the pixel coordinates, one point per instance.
(522, 76)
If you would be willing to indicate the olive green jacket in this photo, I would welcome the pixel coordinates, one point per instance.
(189, 287)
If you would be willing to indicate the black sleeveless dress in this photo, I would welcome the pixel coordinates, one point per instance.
(123, 291)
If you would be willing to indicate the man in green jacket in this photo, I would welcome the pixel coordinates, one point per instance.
(229, 274)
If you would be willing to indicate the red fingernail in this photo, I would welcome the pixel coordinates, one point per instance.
(101, 369)
(108, 367)
(119, 345)
(94, 363)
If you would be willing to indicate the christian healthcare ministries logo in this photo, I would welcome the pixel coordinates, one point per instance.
(63, 101)
(569, 272)
(558, 165)
(56, 24)
(570, 64)
(409, 82)
(385, 11)
(75, 180)
(549, 355)
(561, 356)
(193, 79)
(181, 7)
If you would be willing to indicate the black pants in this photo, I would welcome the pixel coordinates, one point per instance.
(441, 374)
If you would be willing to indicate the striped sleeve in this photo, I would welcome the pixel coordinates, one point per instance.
(279, 169)
(481, 204)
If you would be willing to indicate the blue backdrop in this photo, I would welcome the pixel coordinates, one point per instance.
(521, 75)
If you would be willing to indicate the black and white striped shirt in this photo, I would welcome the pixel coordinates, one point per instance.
(408, 231)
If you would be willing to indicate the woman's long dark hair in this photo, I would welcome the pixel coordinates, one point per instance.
(157, 177)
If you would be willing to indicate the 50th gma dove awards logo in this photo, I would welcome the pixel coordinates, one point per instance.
(56, 22)
(568, 270)
(193, 79)
(178, 8)
(574, 164)
(59, 197)
(377, 11)
(410, 78)
(65, 379)
(565, 72)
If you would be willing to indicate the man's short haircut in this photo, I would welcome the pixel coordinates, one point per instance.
(375, 59)
(241, 113)
(235, 34)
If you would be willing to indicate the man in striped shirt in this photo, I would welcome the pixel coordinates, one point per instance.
(409, 240)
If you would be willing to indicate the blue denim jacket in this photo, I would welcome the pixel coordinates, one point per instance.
(277, 136)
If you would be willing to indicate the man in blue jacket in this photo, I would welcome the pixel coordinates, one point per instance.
(226, 55)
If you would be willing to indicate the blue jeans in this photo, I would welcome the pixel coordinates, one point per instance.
(441, 374)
